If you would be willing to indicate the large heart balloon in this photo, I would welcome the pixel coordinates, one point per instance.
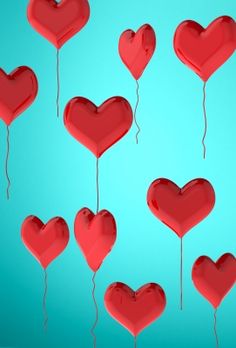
(45, 242)
(135, 310)
(214, 279)
(58, 21)
(18, 90)
(136, 49)
(205, 50)
(98, 128)
(95, 235)
(181, 208)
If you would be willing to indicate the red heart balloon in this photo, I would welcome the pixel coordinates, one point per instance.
(181, 208)
(135, 310)
(58, 21)
(95, 235)
(18, 90)
(45, 242)
(98, 128)
(205, 50)
(214, 280)
(136, 49)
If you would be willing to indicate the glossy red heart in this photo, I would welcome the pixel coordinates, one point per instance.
(135, 310)
(136, 49)
(214, 280)
(95, 235)
(205, 50)
(98, 128)
(58, 21)
(18, 90)
(45, 242)
(181, 208)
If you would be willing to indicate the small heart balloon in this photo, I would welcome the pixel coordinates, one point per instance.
(95, 235)
(58, 21)
(135, 310)
(181, 208)
(205, 50)
(18, 90)
(214, 279)
(98, 128)
(45, 242)
(137, 49)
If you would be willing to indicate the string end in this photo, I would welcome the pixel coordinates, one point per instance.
(96, 309)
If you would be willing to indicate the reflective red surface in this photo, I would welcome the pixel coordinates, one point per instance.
(95, 235)
(214, 280)
(135, 310)
(18, 90)
(205, 50)
(45, 242)
(98, 128)
(136, 49)
(58, 21)
(181, 208)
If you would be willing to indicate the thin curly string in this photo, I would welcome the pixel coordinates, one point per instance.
(135, 111)
(96, 312)
(205, 120)
(6, 163)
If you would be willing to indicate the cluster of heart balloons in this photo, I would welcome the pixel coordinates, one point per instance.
(95, 235)
(179, 208)
(202, 50)
(100, 127)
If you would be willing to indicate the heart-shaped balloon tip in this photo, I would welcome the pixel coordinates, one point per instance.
(214, 279)
(181, 208)
(58, 21)
(98, 127)
(135, 310)
(95, 235)
(205, 50)
(137, 49)
(18, 90)
(45, 241)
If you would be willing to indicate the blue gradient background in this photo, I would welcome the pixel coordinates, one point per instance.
(54, 175)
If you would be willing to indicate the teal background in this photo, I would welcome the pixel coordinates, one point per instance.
(54, 175)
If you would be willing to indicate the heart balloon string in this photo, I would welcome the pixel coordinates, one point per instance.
(215, 328)
(205, 120)
(135, 111)
(58, 22)
(45, 242)
(181, 274)
(97, 185)
(58, 84)
(163, 194)
(94, 275)
(6, 163)
(45, 323)
(135, 341)
(201, 50)
(136, 50)
(109, 122)
(214, 280)
(96, 312)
